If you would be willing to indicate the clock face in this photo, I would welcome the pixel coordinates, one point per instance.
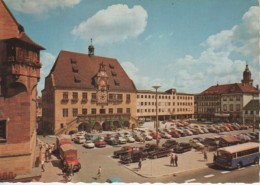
(102, 97)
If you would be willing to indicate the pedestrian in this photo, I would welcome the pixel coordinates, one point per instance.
(172, 160)
(42, 165)
(176, 160)
(205, 156)
(140, 164)
(99, 172)
(214, 157)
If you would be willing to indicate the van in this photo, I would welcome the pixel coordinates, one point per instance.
(80, 139)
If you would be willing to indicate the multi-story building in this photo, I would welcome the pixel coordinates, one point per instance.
(19, 75)
(171, 105)
(226, 102)
(251, 112)
(84, 91)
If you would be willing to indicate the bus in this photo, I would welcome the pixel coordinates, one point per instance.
(236, 156)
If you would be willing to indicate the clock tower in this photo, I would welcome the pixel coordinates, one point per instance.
(102, 85)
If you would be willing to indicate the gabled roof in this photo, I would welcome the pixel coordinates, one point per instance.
(8, 24)
(88, 67)
(230, 88)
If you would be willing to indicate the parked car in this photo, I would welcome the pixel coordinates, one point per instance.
(79, 139)
(129, 139)
(99, 142)
(153, 134)
(147, 137)
(123, 151)
(196, 144)
(175, 134)
(170, 144)
(165, 135)
(148, 148)
(111, 140)
(121, 140)
(138, 138)
(182, 147)
(89, 144)
(134, 156)
(159, 152)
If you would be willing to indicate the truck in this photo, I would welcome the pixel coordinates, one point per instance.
(67, 153)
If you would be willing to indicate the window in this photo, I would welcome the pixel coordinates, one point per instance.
(65, 95)
(74, 112)
(128, 110)
(61, 125)
(238, 107)
(74, 95)
(128, 98)
(224, 107)
(231, 98)
(119, 110)
(84, 111)
(84, 96)
(65, 113)
(93, 96)
(224, 98)
(102, 111)
(2, 130)
(110, 111)
(120, 97)
(231, 108)
(93, 111)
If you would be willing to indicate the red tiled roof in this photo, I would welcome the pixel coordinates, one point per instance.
(230, 88)
(88, 67)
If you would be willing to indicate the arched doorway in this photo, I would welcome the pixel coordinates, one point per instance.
(116, 124)
(107, 126)
(127, 124)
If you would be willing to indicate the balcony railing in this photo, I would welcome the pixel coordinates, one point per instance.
(83, 101)
(65, 100)
(103, 117)
(74, 100)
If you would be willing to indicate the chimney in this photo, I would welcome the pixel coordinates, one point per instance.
(257, 87)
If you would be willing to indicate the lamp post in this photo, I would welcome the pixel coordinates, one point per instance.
(156, 87)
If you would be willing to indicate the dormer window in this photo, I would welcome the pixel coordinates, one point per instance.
(117, 83)
(73, 61)
(111, 66)
(75, 68)
(113, 73)
(77, 78)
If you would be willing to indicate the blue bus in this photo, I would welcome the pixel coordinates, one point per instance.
(236, 156)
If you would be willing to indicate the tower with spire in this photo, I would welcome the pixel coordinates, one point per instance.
(247, 76)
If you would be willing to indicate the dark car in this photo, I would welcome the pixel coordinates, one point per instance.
(111, 140)
(170, 144)
(123, 151)
(134, 156)
(159, 152)
(182, 147)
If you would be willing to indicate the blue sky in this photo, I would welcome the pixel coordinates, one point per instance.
(184, 44)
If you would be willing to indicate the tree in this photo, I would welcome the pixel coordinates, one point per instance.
(90, 123)
(121, 121)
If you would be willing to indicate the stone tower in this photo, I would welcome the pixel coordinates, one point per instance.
(247, 76)
(19, 75)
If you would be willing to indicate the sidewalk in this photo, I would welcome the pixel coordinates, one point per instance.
(191, 160)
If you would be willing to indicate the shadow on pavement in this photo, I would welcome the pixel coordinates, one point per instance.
(56, 163)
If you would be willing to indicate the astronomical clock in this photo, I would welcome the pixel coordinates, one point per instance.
(102, 90)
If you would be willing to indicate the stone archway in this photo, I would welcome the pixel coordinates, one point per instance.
(127, 124)
(106, 126)
(116, 124)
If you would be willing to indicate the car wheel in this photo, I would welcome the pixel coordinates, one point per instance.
(256, 160)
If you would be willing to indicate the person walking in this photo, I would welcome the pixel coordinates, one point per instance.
(214, 157)
(176, 160)
(99, 172)
(140, 164)
(172, 160)
(42, 165)
(205, 156)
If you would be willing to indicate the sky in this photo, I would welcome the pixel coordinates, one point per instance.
(184, 44)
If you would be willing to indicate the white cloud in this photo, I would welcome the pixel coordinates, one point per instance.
(148, 37)
(114, 24)
(47, 61)
(40, 6)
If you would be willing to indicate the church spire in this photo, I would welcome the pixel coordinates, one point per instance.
(247, 76)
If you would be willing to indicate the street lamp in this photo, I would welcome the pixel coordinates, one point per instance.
(156, 87)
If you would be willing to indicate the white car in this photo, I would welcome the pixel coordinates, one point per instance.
(80, 139)
(195, 144)
(121, 140)
(89, 144)
(147, 137)
(165, 135)
(130, 139)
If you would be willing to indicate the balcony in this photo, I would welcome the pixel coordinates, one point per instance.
(32, 62)
(103, 117)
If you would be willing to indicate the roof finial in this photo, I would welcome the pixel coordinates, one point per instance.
(91, 48)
